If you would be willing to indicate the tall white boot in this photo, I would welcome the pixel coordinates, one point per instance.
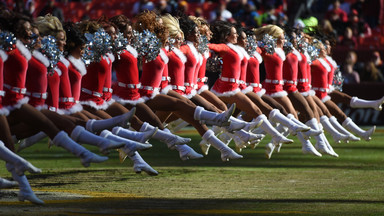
(142, 137)
(276, 116)
(340, 128)
(25, 143)
(4, 183)
(226, 152)
(25, 192)
(271, 147)
(63, 140)
(360, 103)
(130, 146)
(165, 136)
(237, 124)
(213, 118)
(321, 141)
(336, 135)
(177, 125)
(350, 125)
(187, 152)
(19, 164)
(311, 132)
(333, 153)
(140, 165)
(120, 120)
(269, 129)
(307, 146)
(242, 138)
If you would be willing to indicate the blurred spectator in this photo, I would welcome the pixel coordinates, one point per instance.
(20, 8)
(163, 8)
(373, 12)
(246, 13)
(30, 7)
(183, 7)
(306, 21)
(141, 6)
(337, 17)
(344, 5)
(374, 69)
(348, 40)
(358, 6)
(348, 71)
(269, 16)
(327, 27)
(221, 13)
(360, 29)
(51, 8)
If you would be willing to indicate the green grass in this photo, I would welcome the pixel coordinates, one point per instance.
(288, 184)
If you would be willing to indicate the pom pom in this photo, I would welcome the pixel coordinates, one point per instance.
(251, 46)
(98, 44)
(338, 79)
(268, 43)
(7, 41)
(214, 63)
(147, 45)
(202, 46)
(119, 44)
(50, 50)
(288, 46)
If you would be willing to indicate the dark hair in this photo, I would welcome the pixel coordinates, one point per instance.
(220, 30)
(14, 22)
(105, 23)
(187, 26)
(239, 28)
(88, 26)
(120, 21)
(74, 37)
(149, 20)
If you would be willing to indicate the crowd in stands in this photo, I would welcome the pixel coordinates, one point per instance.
(356, 24)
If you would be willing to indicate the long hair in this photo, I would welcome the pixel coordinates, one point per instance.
(49, 25)
(75, 37)
(148, 20)
(121, 22)
(187, 26)
(273, 30)
(172, 24)
(221, 30)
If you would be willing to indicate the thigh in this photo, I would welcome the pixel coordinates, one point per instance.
(321, 105)
(200, 101)
(340, 97)
(209, 96)
(167, 103)
(335, 111)
(287, 104)
(243, 103)
(264, 107)
(116, 109)
(274, 104)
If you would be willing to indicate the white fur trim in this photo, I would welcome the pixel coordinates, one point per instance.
(190, 95)
(280, 53)
(305, 94)
(64, 61)
(261, 92)
(18, 104)
(325, 64)
(206, 54)
(258, 57)
(202, 89)
(247, 90)
(111, 57)
(165, 90)
(333, 62)
(4, 111)
(163, 56)
(193, 50)
(75, 108)
(325, 99)
(78, 64)
(107, 59)
(110, 102)
(201, 58)
(58, 71)
(179, 54)
(42, 107)
(278, 94)
(124, 101)
(307, 56)
(92, 104)
(245, 54)
(154, 94)
(234, 48)
(331, 88)
(226, 94)
(166, 48)
(23, 50)
(132, 50)
(3, 55)
(39, 56)
(312, 92)
(297, 54)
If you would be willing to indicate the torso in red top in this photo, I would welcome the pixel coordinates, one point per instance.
(333, 66)
(66, 99)
(76, 71)
(253, 72)
(303, 84)
(37, 81)
(201, 78)
(228, 81)
(290, 70)
(243, 68)
(126, 89)
(15, 72)
(151, 75)
(319, 72)
(165, 78)
(3, 58)
(190, 72)
(274, 71)
(107, 89)
(176, 69)
(53, 90)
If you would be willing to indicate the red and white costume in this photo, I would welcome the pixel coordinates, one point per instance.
(165, 79)
(290, 71)
(66, 100)
(333, 65)
(191, 68)
(92, 84)
(201, 78)
(53, 90)
(126, 89)
(243, 74)
(319, 72)
(15, 73)
(273, 83)
(107, 89)
(176, 66)
(76, 71)
(303, 74)
(3, 58)
(152, 75)
(228, 83)
(253, 73)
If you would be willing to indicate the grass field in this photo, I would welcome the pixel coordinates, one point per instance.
(290, 183)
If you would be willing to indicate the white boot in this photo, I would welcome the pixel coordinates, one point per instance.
(187, 152)
(307, 146)
(285, 132)
(25, 143)
(350, 125)
(313, 131)
(19, 164)
(242, 138)
(276, 116)
(204, 146)
(237, 124)
(80, 135)
(62, 140)
(120, 120)
(321, 141)
(336, 135)
(4, 183)
(333, 153)
(213, 118)
(142, 137)
(340, 128)
(25, 192)
(226, 152)
(177, 125)
(360, 103)
(269, 148)
(140, 165)
(165, 136)
(276, 136)
(130, 146)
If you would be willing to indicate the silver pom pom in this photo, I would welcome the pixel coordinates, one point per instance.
(338, 79)
(50, 50)
(268, 43)
(147, 45)
(251, 46)
(171, 42)
(7, 41)
(119, 44)
(98, 44)
(202, 46)
(288, 46)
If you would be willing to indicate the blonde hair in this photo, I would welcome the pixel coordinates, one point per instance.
(172, 24)
(49, 25)
(273, 30)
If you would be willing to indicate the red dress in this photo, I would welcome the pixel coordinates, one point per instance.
(76, 71)
(290, 71)
(165, 79)
(228, 82)
(319, 72)
(201, 78)
(303, 74)
(66, 100)
(253, 73)
(15, 73)
(333, 65)
(107, 89)
(243, 74)
(274, 73)
(191, 68)
(36, 80)
(53, 90)
(152, 75)
(126, 89)
(176, 66)
(3, 58)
